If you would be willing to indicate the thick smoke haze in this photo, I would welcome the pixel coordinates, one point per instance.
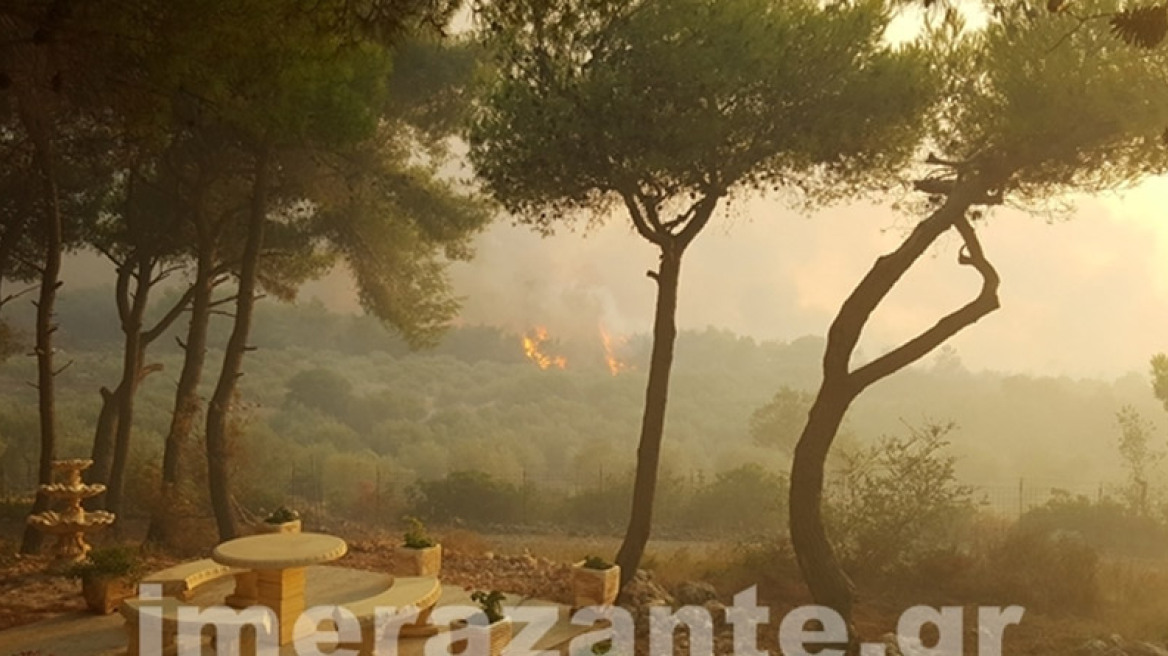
(1086, 295)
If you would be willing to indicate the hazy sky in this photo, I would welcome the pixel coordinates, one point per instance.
(1086, 296)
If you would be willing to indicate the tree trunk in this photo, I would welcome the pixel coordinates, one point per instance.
(103, 444)
(107, 420)
(828, 583)
(218, 452)
(186, 399)
(134, 351)
(50, 281)
(653, 420)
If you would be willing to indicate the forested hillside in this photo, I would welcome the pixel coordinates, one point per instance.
(340, 412)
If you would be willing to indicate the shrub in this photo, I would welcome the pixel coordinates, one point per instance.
(900, 502)
(491, 604)
(748, 499)
(596, 562)
(472, 497)
(1106, 524)
(1048, 572)
(416, 536)
(282, 515)
(108, 562)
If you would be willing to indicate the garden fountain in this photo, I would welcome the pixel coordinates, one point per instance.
(71, 523)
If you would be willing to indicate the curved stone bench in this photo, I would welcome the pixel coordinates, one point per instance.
(181, 580)
(165, 613)
(421, 592)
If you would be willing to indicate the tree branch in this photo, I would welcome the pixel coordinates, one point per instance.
(702, 211)
(639, 221)
(12, 297)
(170, 317)
(916, 348)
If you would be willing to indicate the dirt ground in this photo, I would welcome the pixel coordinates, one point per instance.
(537, 566)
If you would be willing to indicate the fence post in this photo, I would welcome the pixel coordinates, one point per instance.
(1021, 491)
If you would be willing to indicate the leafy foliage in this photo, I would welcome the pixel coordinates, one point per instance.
(1140, 459)
(1049, 572)
(1006, 113)
(1144, 26)
(108, 562)
(779, 422)
(1104, 524)
(596, 562)
(416, 536)
(468, 496)
(282, 515)
(491, 603)
(900, 499)
(682, 99)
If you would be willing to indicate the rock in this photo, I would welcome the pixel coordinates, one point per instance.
(639, 595)
(1113, 646)
(695, 593)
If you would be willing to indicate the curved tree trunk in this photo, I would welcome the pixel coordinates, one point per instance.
(828, 583)
(218, 475)
(653, 419)
(817, 561)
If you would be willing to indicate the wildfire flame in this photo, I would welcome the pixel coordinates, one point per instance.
(532, 344)
(615, 364)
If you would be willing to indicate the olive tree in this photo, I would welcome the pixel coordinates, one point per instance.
(665, 108)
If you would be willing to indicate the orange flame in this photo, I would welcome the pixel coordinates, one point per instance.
(615, 364)
(532, 344)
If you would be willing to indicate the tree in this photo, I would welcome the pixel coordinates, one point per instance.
(777, 424)
(142, 236)
(305, 90)
(900, 499)
(321, 389)
(55, 87)
(1003, 132)
(1140, 458)
(666, 107)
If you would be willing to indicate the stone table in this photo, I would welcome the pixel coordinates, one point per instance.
(278, 561)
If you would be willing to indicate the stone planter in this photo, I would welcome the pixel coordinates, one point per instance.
(103, 594)
(594, 587)
(286, 527)
(417, 562)
(494, 636)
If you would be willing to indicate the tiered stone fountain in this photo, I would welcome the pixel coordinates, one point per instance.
(71, 523)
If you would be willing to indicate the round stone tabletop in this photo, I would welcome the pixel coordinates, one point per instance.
(279, 550)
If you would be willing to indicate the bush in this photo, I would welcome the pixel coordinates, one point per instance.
(470, 497)
(1106, 524)
(746, 500)
(1048, 572)
(900, 502)
(108, 562)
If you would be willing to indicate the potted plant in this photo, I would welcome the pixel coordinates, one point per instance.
(282, 520)
(489, 628)
(595, 582)
(420, 554)
(108, 576)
